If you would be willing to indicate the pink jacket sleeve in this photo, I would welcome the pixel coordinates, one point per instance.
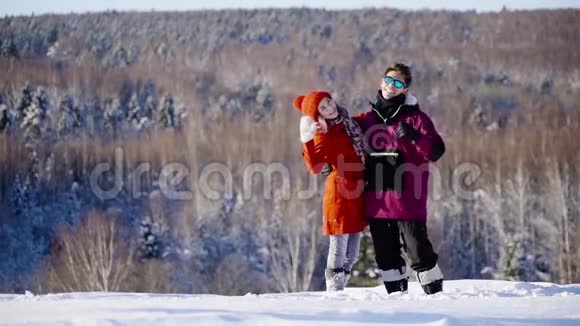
(429, 143)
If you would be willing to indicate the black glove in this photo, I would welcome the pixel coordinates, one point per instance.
(326, 170)
(406, 131)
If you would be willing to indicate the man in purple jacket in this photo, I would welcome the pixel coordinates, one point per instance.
(402, 141)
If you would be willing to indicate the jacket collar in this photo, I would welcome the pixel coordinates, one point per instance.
(410, 100)
(410, 104)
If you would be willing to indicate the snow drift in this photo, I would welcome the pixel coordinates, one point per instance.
(463, 302)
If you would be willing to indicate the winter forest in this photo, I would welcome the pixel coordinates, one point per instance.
(100, 112)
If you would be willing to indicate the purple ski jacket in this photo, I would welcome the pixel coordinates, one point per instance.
(397, 170)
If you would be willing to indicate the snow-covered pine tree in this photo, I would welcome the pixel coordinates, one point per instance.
(150, 106)
(111, 117)
(509, 261)
(150, 239)
(35, 115)
(264, 101)
(68, 117)
(167, 113)
(42, 100)
(134, 113)
(146, 122)
(517, 263)
(24, 102)
(9, 49)
(93, 117)
(34, 125)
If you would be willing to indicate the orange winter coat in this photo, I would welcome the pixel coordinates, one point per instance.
(342, 208)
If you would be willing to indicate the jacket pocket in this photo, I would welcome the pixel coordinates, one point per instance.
(383, 171)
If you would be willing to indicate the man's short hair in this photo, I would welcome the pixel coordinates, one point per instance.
(401, 69)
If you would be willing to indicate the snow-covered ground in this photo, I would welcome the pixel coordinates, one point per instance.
(464, 302)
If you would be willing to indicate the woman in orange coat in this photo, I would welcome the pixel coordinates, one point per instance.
(332, 139)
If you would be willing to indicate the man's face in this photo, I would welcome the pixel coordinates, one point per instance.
(327, 109)
(389, 85)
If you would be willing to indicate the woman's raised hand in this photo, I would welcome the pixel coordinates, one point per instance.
(321, 125)
(307, 129)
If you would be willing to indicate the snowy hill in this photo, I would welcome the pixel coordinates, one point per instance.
(464, 302)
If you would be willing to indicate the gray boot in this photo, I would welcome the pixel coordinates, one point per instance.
(335, 279)
(346, 277)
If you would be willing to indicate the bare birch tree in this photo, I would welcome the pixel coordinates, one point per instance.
(294, 244)
(93, 256)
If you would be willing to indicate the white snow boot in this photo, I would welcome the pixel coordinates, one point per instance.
(335, 279)
(396, 280)
(431, 280)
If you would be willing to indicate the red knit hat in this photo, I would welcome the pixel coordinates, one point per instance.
(308, 104)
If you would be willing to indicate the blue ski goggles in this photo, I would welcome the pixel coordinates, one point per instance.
(398, 84)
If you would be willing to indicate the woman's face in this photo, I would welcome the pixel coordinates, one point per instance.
(327, 108)
(389, 89)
